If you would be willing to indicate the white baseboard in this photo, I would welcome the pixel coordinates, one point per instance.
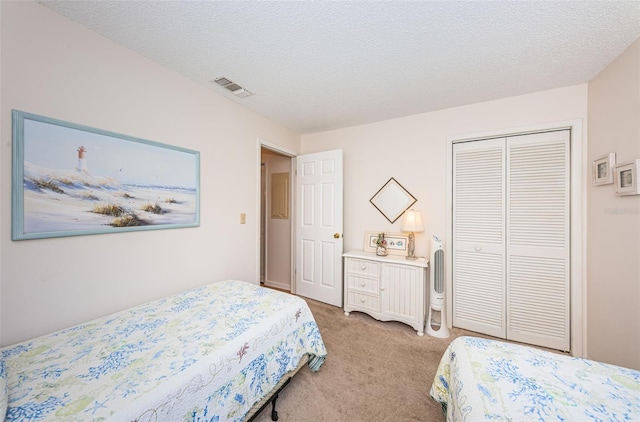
(278, 285)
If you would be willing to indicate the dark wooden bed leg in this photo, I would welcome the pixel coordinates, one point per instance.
(274, 414)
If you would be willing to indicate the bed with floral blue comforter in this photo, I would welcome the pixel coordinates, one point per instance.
(207, 354)
(480, 379)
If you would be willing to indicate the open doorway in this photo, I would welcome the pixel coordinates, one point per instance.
(275, 219)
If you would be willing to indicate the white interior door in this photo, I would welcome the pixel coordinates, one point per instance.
(319, 180)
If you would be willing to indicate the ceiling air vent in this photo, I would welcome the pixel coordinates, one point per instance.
(242, 93)
(236, 89)
(222, 81)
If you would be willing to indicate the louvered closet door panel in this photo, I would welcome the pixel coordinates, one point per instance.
(538, 239)
(478, 236)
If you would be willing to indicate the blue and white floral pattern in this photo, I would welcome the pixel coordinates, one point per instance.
(4, 395)
(206, 354)
(480, 379)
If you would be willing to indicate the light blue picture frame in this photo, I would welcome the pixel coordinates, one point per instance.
(73, 180)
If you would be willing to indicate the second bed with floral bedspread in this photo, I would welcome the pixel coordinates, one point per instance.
(480, 379)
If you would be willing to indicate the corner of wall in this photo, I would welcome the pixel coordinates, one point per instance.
(613, 225)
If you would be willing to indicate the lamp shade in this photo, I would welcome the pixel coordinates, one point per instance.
(412, 222)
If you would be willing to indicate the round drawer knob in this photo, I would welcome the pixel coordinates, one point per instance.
(361, 300)
(364, 267)
(362, 284)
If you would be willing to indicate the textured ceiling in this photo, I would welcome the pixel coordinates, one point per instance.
(316, 66)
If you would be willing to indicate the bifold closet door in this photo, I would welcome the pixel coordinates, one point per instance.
(479, 236)
(538, 253)
(511, 249)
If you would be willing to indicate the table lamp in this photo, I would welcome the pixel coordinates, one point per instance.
(412, 223)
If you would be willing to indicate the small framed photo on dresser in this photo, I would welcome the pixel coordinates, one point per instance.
(603, 169)
(626, 176)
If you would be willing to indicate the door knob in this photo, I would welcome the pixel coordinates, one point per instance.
(336, 235)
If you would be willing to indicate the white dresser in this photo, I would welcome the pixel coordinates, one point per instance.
(389, 288)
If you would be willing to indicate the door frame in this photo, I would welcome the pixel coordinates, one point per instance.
(262, 143)
(578, 218)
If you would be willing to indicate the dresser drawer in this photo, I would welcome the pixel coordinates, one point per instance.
(364, 284)
(362, 301)
(362, 267)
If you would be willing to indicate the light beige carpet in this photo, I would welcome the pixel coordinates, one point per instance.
(374, 371)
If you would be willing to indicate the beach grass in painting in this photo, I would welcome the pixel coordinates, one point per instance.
(75, 180)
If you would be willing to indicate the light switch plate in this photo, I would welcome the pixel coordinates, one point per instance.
(243, 218)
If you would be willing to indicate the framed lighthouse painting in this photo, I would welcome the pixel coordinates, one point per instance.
(71, 180)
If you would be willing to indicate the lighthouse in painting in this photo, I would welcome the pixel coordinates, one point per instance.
(82, 163)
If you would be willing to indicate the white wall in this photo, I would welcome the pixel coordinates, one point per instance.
(413, 151)
(56, 68)
(613, 252)
(279, 254)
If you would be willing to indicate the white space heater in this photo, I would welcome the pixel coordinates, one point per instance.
(436, 323)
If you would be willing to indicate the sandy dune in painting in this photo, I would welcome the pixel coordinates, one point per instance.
(70, 200)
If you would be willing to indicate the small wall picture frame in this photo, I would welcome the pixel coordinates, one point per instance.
(603, 169)
(397, 243)
(626, 178)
